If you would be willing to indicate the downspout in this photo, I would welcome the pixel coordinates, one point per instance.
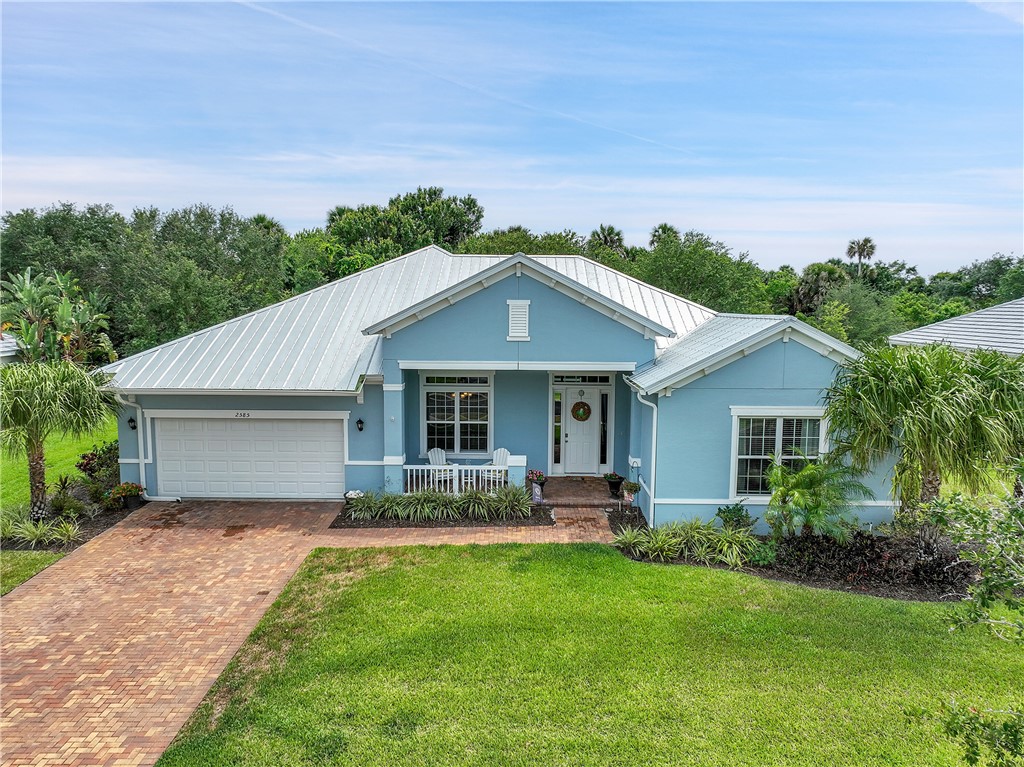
(654, 451)
(142, 449)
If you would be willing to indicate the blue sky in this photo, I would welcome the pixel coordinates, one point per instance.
(782, 129)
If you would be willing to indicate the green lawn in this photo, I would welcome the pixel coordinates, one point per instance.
(574, 655)
(16, 567)
(61, 457)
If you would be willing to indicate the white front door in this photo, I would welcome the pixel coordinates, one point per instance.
(582, 423)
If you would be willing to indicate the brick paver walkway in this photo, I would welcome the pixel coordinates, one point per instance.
(107, 652)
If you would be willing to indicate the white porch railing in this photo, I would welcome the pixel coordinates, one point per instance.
(454, 479)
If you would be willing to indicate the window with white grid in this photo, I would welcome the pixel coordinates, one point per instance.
(761, 438)
(456, 413)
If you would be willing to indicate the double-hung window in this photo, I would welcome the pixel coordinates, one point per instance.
(457, 413)
(794, 438)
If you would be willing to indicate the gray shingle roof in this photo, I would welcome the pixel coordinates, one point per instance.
(999, 327)
(314, 342)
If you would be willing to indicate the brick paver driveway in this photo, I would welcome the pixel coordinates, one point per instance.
(106, 653)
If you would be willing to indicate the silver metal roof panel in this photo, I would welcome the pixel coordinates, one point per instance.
(999, 327)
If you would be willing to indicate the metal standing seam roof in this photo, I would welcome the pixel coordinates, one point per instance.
(720, 337)
(8, 345)
(314, 342)
(999, 327)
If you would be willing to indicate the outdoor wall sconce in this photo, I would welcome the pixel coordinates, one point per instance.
(132, 423)
(359, 424)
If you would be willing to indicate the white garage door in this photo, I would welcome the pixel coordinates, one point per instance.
(252, 458)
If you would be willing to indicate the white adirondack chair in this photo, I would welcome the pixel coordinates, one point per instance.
(441, 476)
(498, 475)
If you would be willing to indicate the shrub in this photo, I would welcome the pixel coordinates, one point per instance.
(390, 506)
(735, 517)
(65, 531)
(763, 554)
(126, 490)
(662, 544)
(66, 506)
(815, 497)
(733, 546)
(101, 463)
(33, 533)
(475, 504)
(630, 540)
(420, 506)
(447, 507)
(510, 502)
(10, 517)
(362, 507)
(992, 535)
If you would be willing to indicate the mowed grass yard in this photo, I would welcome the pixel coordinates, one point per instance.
(574, 655)
(61, 456)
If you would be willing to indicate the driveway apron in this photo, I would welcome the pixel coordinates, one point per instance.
(106, 653)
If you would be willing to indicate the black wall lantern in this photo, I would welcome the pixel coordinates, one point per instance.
(132, 423)
(359, 424)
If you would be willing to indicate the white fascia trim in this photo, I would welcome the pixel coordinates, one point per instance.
(445, 366)
(239, 392)
(787, 330)
(291, 415)
(768, 410)
(560, 366)
(394, 387)
(394, 460)
(555, 366)
(518, 265)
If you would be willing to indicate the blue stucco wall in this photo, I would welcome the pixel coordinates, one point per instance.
(695, 429)
(476, 328)
(367, 445)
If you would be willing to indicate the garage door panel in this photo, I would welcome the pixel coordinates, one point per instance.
(258, 458)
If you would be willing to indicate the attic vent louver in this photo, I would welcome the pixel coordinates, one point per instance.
(518, 320)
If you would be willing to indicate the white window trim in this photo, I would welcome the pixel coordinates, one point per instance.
(742, 411)
(487, 388)
(513, 305)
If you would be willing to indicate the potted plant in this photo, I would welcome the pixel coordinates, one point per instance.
(129, 493)
(629, 490)
(537, 477)
(614, 483)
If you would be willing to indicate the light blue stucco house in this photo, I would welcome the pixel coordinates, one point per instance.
(574, 368)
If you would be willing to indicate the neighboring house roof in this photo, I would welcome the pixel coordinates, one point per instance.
(8, 346)
(999, 327)
(724, 339)
(314, 342)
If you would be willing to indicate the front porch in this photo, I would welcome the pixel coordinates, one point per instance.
(579, 492)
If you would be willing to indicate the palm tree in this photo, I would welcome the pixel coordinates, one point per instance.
(862, 250)
(814, 496)
(44, 398)
(940, 412)
(662, 233)
(609, 237)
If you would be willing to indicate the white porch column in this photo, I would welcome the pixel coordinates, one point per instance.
(394, 428)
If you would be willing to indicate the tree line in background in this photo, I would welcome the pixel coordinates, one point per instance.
(155, 276)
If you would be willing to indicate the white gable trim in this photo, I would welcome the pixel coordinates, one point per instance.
(787, 329)
(519, 265)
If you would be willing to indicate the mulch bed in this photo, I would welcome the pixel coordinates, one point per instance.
(90, 529)
(619, 518)
(539, 515)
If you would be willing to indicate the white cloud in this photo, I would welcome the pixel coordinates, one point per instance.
(1012, 9)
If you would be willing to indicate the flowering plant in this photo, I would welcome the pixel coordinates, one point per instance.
(613, 477)
(535, 475)
(126, 490)
(353, 494)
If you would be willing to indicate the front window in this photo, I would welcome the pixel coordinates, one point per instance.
(761, 438)
(457, 413)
